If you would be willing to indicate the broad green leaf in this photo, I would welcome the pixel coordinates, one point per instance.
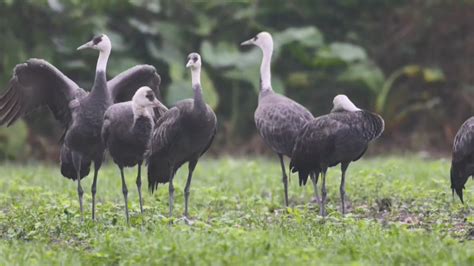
(167, 52)
(13, 141)
(365, 72)
(309, 36)
(250, 74)
(221, 55)
(142, 27)
(151, 6)
(206, 24)
(119, 64)
(348, 52)
(326, 58)
(181, 89)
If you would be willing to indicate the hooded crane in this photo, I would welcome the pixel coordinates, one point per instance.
(126, 133)
(341, 136)
(37, 83)
(278, 119)
(462, 165)
(183, 134)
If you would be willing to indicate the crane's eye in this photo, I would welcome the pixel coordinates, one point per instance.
(97, 39)
(195, 59)
(150, 96)
(255, 38)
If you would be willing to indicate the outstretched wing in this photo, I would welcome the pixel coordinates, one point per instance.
(124, 85)
(38, 83)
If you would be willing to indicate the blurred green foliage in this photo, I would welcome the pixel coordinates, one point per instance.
(13, 141)
(385, 55)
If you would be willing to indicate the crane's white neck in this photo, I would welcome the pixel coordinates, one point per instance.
(139, 110)
(196, 77)
(265, 67)
(102, 61)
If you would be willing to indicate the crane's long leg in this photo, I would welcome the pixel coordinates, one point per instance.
(323, 194)
(97, 164)
(285, 178)
(171, 192)
(125, 194)
(139, 185)
(191, 166)
(77, 161)
(342, 188)
(314, 179)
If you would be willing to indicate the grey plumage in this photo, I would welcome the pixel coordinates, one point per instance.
(181, 135)
(278, 119)
(38, 83)
(339, 137)
(124, 85)
(462, 164)
(126, 133)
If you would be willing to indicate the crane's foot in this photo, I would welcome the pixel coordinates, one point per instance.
(186, 220)
(315, 200)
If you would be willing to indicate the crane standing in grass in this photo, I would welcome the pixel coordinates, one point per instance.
(183, 134)
(278, 119)
(38, 83)
(126, 133)
(462, 164)
(341, 136)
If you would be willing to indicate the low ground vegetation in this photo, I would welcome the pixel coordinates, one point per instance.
(401, 212)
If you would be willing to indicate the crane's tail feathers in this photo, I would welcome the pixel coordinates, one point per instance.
(303, 177)
(459, 193)
(303, 173)
(458, 180)
(68, 170)
(158, 172)
(67, 167)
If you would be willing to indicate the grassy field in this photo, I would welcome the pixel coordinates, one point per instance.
(401, 212)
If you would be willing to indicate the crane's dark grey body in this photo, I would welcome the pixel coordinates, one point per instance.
(83, 136)
(37, 83)
(128, 138)
(181, 135)
(339, 137)
(462, 164)
(279, 120)
(67, 167)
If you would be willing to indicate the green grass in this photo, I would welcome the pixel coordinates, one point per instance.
(401, 212)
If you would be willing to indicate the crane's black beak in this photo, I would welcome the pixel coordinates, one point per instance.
(85, 46)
